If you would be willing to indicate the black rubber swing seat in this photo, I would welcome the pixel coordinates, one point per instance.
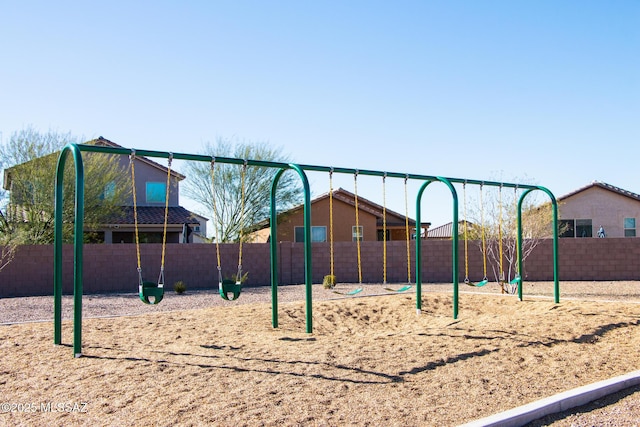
(227, 287)
(151, 289)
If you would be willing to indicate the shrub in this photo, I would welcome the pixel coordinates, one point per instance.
(179, 287)
(329, 281)
(242, 279)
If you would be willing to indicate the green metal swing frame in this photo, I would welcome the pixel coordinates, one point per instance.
(75, 150)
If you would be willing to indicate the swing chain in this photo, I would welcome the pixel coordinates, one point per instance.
(466, 235)
(384, 228)
(331, 254)
(242, 209)
(359, 236)
(239, 275)
(161, 277)
(406, 227)
(484, 241)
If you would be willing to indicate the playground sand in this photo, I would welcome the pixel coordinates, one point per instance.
(369, 361)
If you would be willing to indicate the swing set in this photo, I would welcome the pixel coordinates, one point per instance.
(506, 287)
(512, 286)
(384, 236)
(358, 237)
(152, 292)
(229, 289)
(484, 280)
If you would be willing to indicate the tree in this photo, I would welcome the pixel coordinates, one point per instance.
(226, 217)
(7, 245)
(29, 161)
(496, 216)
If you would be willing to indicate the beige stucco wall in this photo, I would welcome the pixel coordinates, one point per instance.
(147, 173)
(603, 207)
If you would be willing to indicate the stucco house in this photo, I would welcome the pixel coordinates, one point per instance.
(183, 226)
(371, 218)
(585, 210)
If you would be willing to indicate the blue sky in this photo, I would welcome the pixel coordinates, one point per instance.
(546, 92)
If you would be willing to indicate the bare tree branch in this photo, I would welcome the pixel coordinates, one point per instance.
(226, 212)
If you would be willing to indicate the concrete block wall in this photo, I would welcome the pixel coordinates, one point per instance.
(113, 268)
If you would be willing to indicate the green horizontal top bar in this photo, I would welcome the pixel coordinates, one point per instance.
(280, 165)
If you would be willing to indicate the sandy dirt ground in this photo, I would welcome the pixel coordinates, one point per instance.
(371, 360)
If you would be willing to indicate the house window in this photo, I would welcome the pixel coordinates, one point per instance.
(584, 228)
(356, 232)
(156, 192)
(381, 235)
(576, 228)
(109, 191)
(318, 234)
(629, 227)
(567, 228)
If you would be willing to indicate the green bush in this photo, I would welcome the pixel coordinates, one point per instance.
(242, 279)
(329, 281)
(179, 287)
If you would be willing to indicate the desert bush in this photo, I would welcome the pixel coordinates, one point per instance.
(329, 281)
(179, 287)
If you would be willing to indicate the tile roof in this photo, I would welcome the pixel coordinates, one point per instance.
(106, 143)
(605, 186)
(444, 231)
(348, 197)
(155, 215)
(363, 204)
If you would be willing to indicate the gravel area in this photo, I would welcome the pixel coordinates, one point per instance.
(616, 410)
(38, 309)
(621, 409)
(34, 309)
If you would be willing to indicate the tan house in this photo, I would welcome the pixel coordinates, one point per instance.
(587, 210)
(371, 219)
(183, 226)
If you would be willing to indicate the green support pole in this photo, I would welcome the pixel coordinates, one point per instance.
(308, 271)
(519, 243)
(57, 249)
(77, 248)
(78, 242)
(554, 208)
(556, 266)
(273, 241)
(419, 247)
(454, 245)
